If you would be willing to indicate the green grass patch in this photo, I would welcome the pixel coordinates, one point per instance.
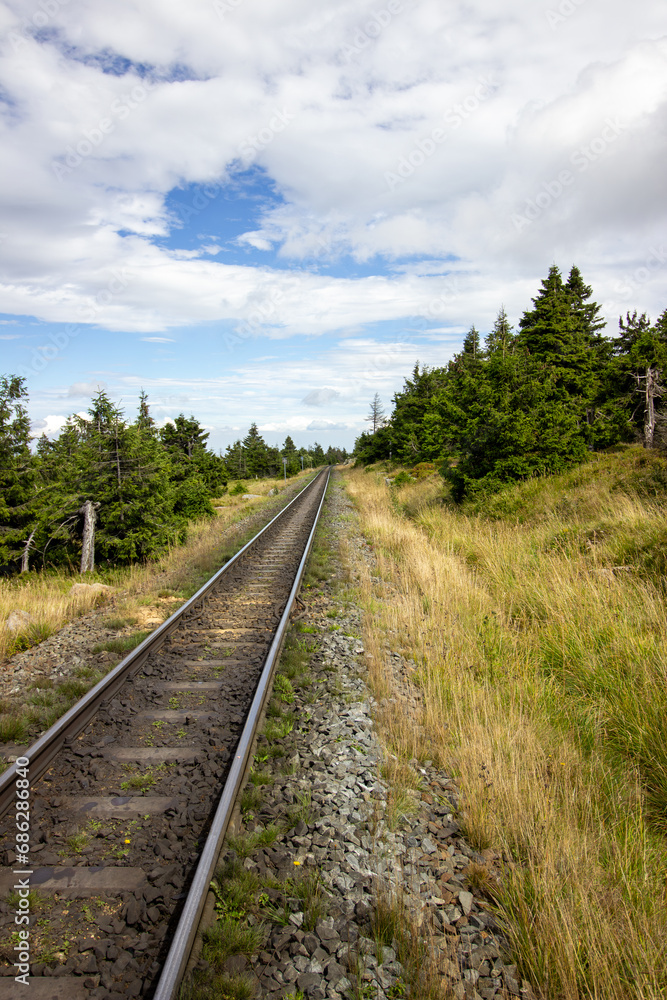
(141, 781)
(123, 644)
(13, 728)
(116, 622)
(248, 843)
(282, 687)
(278, 729)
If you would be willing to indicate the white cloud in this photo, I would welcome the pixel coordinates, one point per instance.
(49, 425)
(326, 425)
(256, 240)
(159, 340)
(320, 397)
(333, 105)
(85, 389)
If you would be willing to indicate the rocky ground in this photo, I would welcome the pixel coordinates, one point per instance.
(357, 844)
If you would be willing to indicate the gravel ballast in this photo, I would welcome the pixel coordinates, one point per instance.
(343, 836)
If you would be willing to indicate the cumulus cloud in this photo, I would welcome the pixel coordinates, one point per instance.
(49, 425)
(433, 130)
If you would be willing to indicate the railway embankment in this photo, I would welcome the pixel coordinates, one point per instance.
(349, 876)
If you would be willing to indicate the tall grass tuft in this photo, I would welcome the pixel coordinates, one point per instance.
(537, 623)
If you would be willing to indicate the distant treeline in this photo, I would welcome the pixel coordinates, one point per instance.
(137, 484)
(531, 401)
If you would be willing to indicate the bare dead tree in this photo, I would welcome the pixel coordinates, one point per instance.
(25, 558)
(650, 386)
(376, 413)
(89, 511)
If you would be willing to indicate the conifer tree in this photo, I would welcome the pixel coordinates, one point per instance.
(255, 452)
(411, 441)
(501, 338)
(471, 343)
(182, 437)
(185, 441)
(547, 330)
(144, 420)
(376, 413)
(289, 452)
(317, 454)
(16, 474)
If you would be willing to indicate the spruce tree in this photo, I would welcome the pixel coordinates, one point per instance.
(547, 330)
(144, 419)
(410, 441)
(182, 437)
(255, 453)
(501, 338)
(472, 344)
(17, 472)
(317, 454)
(289, 452)
(376, 413)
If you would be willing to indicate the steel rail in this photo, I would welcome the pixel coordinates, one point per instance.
(76, 718)
(188, 925)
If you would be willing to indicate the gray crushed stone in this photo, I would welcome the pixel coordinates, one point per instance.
(337, 761)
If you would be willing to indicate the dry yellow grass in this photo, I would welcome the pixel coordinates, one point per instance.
(47, 597)
(543, 674)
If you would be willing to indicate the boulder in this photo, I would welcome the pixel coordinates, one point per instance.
(18, 620)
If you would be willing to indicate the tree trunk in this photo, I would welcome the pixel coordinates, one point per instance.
(88, 548)
(25, 559)
(651, 390)
(120, 483)
(649, 412)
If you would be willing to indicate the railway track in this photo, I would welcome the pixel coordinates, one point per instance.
(112, 822)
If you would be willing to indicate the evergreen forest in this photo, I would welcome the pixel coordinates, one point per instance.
(529, 401)
(137, 485)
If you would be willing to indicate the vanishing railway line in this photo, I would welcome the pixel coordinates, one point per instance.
(129, 795)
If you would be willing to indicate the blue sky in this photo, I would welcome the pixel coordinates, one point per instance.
(263, 212)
